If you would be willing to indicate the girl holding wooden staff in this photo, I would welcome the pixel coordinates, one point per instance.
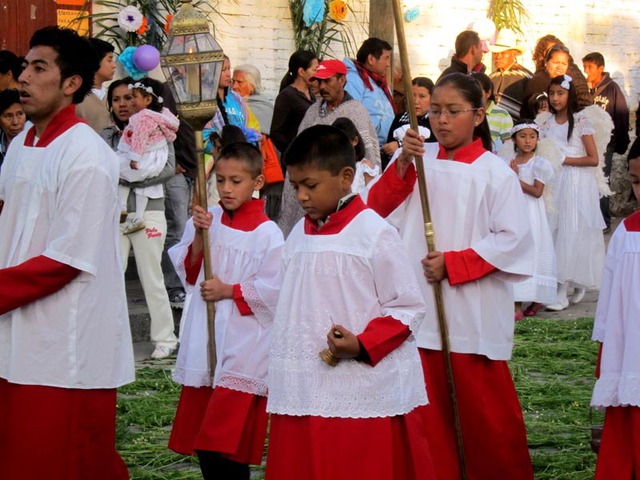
(483, 242)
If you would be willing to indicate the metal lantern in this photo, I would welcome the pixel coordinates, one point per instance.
(192, 63)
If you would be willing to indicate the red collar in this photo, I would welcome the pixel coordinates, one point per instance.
(63, 121)
(632, 222)
(337, 221)
(468, 154)
(247, 218)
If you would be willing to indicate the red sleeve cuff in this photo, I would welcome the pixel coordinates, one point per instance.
(238, 297)
(192, 269)
(32, 280)
(599, 361)
(466, 266)
(390, 190)
(382, 336)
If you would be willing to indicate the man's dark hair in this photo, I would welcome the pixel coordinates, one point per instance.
(594, 57)
(76, 56)
(326, 147)
(102, 48)
(372, 46)
(243, 152)
(464, 41)
(10, 62)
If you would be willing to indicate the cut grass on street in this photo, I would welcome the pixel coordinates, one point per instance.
(553, 365)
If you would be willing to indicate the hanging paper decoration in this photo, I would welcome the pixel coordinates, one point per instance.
(338, 10)
(411, 14)
(313, 11)
(144, 27)
(126, 59)
(130, 19)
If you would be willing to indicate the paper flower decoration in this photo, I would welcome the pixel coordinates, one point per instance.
(126, 59)
(167, 25)
(313, 11)
(130, 19)
(411, 14)
(144, 27)
(338, 10)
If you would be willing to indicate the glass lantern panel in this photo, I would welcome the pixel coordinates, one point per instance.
(190, 45)
(206, 43)
(177, 45)
(210, 80)
(184, 82)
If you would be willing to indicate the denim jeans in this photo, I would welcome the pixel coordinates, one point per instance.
(176, 203)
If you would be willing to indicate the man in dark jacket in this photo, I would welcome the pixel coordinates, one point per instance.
(608, 96)
(469, 53)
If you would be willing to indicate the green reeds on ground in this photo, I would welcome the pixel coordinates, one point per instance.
(553, 369)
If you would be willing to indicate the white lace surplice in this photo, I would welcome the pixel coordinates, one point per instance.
(348, 278)
(251, 259)
(474, 205)
(617, 323)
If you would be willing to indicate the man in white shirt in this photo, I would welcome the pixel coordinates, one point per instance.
(65, 342)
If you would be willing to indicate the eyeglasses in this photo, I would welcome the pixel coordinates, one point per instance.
(449, 113)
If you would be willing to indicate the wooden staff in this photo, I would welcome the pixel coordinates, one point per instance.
(429, 235)
(206, 250)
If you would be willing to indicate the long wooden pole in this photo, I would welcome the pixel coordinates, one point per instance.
(429, 236)
(206, 250)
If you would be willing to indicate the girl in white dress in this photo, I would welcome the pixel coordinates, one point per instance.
(577, 232)
(365, 170)
(534, 173)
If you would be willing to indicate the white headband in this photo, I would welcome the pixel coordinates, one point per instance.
(522, 126)
(149, 90)
(566, 82)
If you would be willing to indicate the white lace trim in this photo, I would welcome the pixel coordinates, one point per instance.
(261, 311)
(191, 378)
(617, 391)
(242, 384)
(306, 386)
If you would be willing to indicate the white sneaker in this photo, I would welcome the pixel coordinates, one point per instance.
(558, 307)
(162, 351)
(578, 294)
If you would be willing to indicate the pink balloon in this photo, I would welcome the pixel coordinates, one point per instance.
(146, 58)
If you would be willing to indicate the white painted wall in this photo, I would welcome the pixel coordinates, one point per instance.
(259, 32)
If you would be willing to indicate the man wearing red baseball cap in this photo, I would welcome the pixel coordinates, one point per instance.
(336, 102)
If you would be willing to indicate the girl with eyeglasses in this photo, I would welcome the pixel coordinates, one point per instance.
(483, 241)
(578, 227)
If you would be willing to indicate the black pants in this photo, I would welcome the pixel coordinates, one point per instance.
(215, 467)
(604, 201)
